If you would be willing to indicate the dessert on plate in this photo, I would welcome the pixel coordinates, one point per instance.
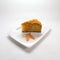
(32, 26)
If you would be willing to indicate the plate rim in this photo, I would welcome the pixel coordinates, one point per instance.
(30, 45)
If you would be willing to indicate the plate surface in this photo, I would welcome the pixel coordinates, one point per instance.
(17, 35)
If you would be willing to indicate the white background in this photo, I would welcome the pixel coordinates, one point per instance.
(14, 12)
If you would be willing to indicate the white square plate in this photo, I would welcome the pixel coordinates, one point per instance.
(16, 34)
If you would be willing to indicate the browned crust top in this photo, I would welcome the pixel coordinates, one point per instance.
(32, 21)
